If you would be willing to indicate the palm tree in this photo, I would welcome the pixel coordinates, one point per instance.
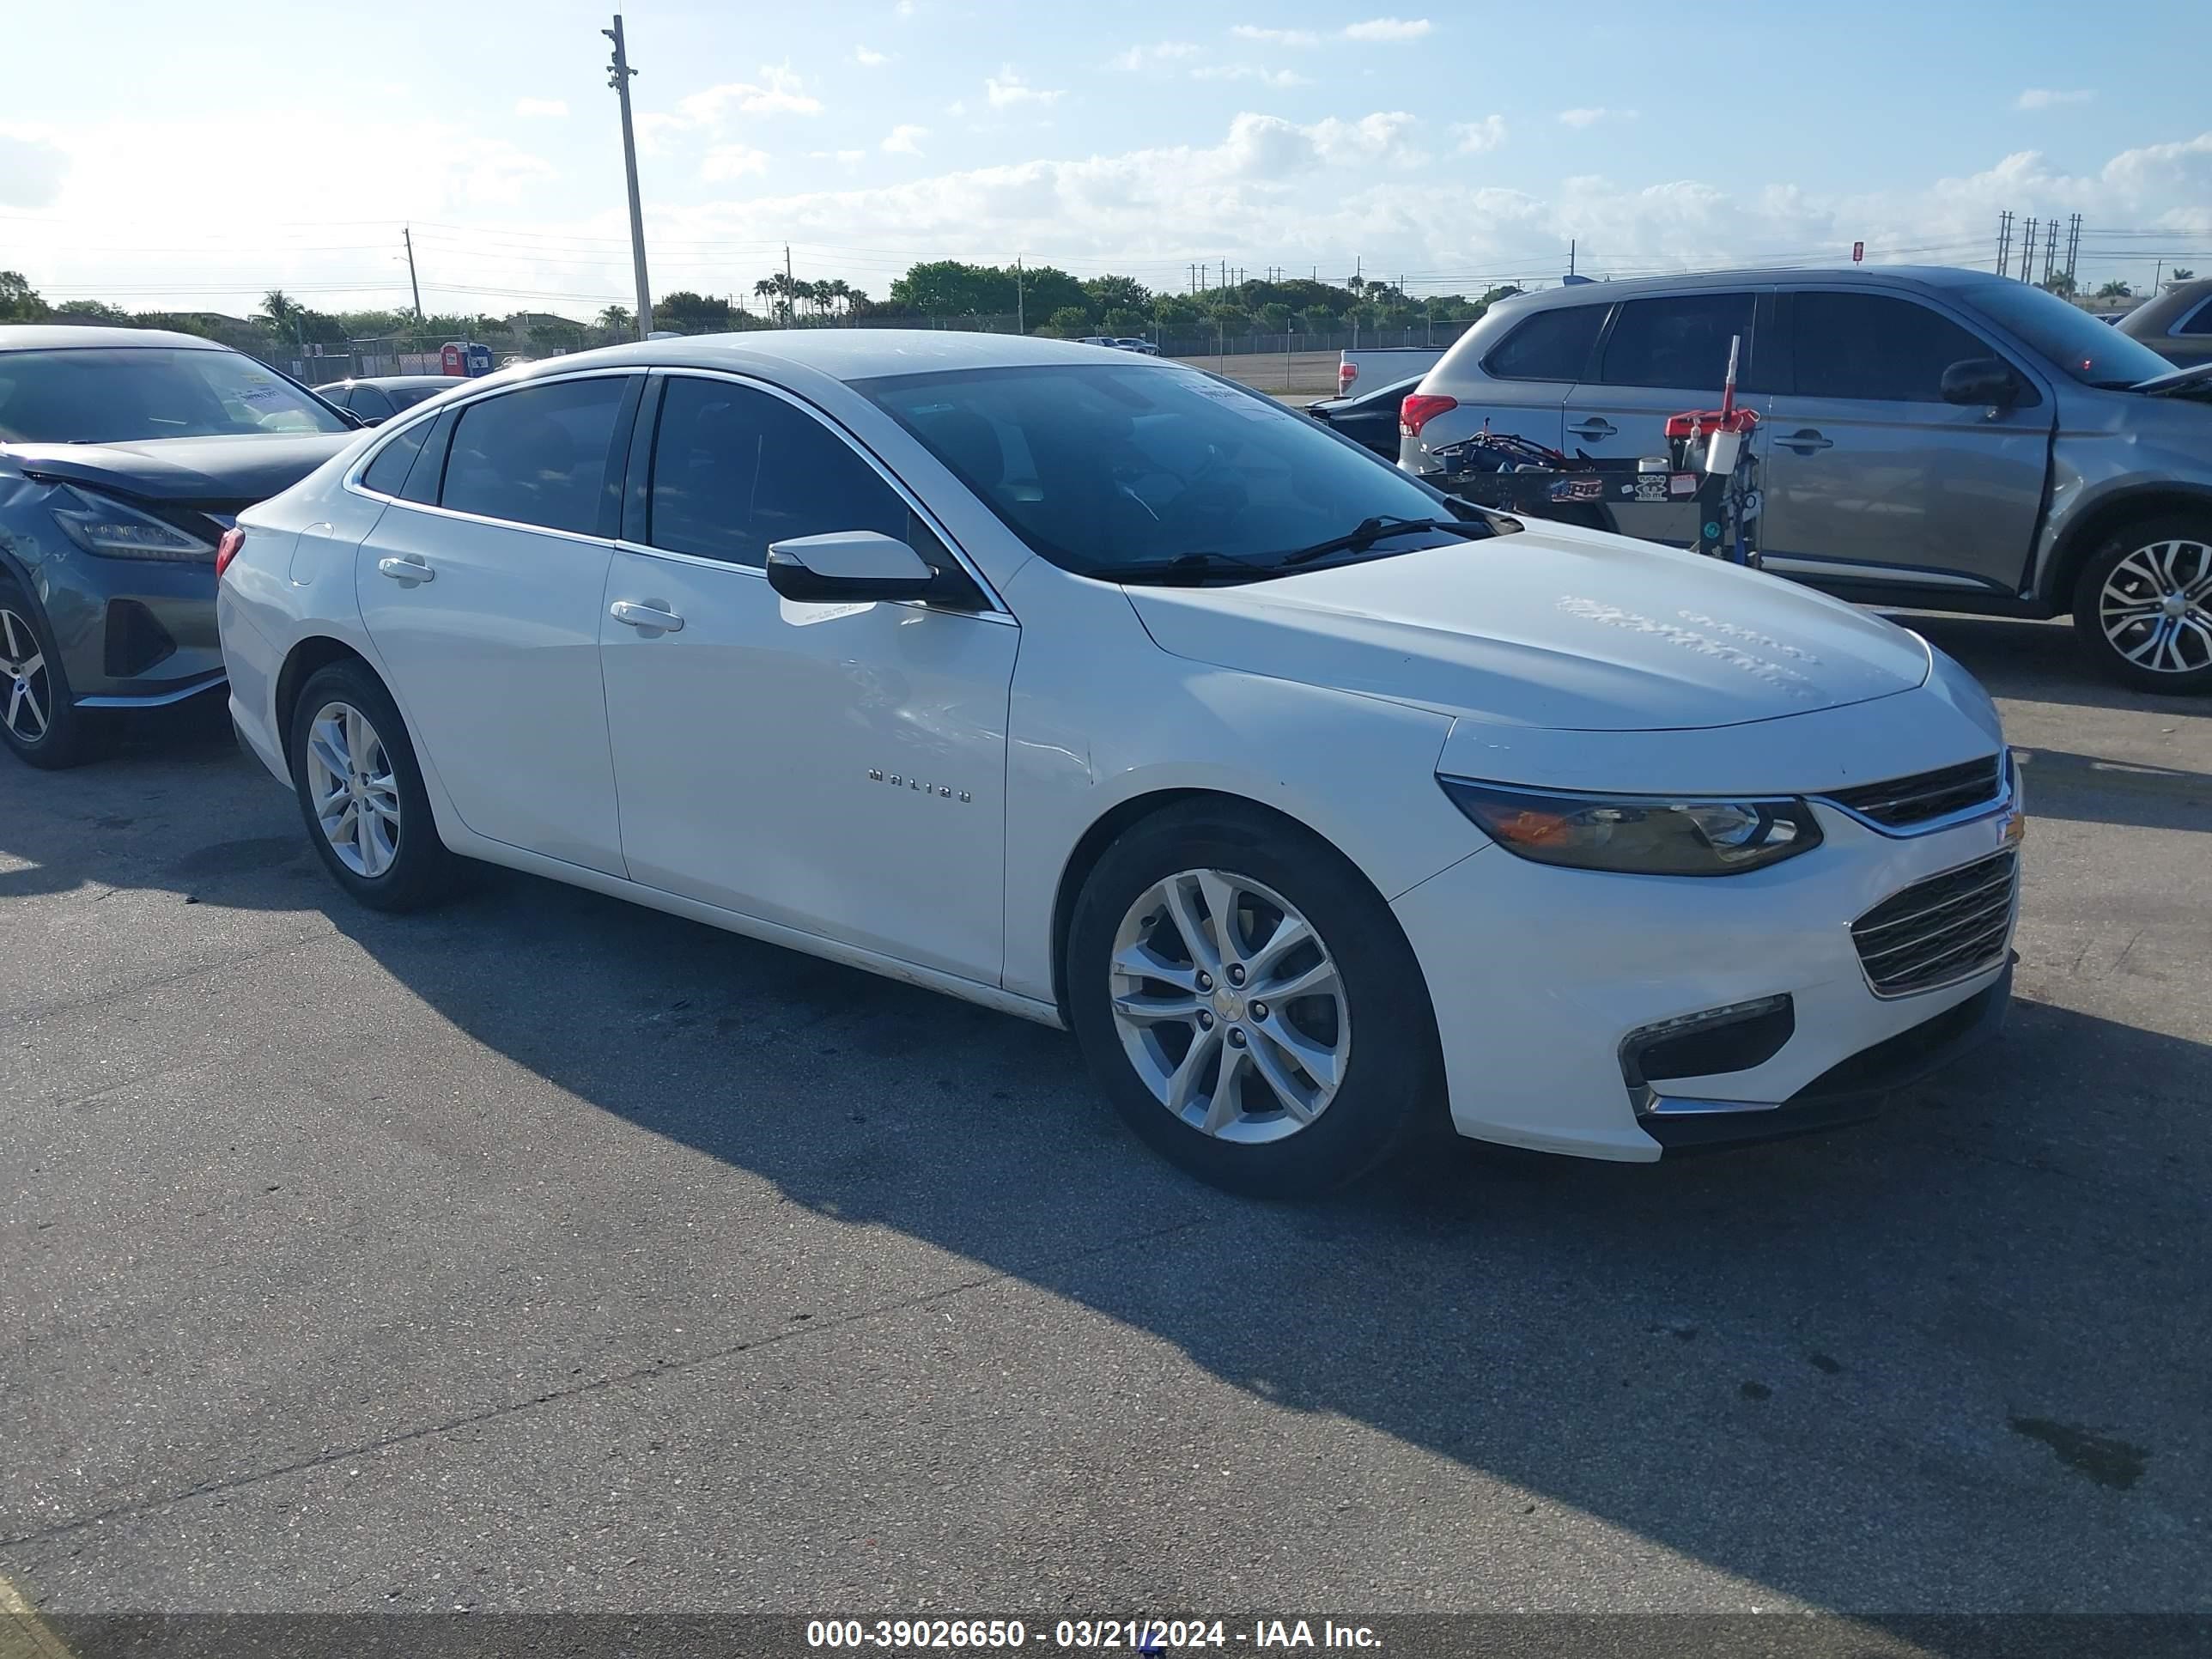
(618, 320)
(280, 311)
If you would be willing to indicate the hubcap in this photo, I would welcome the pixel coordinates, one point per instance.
(352, 789)
(2156, 607)
(1230, 1007)
(23, 680)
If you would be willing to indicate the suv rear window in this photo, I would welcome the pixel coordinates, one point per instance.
(1552, 345)
(1681, 341)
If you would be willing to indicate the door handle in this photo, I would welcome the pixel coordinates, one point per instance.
(1806, 442)
(1593, 428)
(645, 616)
(406, 570)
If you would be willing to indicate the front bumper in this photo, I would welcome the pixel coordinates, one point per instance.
(133, 633)
(1540, 977)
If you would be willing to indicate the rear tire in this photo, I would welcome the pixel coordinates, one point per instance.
(2143, 605)
(1302, 1109)
(361, 792)
(40, 719)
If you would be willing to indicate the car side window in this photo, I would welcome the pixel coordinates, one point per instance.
(1875, 348)
(370, 403)
(2199, 322)
(735, 469)
(541, 455)
(1680, 341)
(1552, 345)
(387, 473)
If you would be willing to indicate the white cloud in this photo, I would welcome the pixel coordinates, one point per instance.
(1475, 137)
(1007, 89)
(900, 140)
(1250, 72)
(849, 157)
(903, 10)
(778, 92)
(32, 167)
(957, 106)
(1138, 58)
(1590, 117)
(1276, 37)
(1387, 28)
(541, 106)
(869, 59)
(2047, 97)
(731, 162)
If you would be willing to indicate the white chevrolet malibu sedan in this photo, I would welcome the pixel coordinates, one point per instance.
(1106, 693)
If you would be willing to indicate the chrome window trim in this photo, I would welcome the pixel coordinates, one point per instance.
(868, 457)
(2002, 802)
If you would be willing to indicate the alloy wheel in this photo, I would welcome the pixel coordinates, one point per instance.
(2155, 607)
(1229, 1007)
(25, 689)
(352, 789)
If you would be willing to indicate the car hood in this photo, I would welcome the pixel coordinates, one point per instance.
(221, 472)
(1555, 628)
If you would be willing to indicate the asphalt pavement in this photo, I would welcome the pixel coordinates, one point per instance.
(546, 1253)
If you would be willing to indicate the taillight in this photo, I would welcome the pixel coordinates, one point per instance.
(1346, 375)
(227, 550)
(1419, 409)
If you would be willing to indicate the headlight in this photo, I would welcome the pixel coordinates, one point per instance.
(1642, 835)
(107, 527)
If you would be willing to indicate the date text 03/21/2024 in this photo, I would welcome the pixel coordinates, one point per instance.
(1135, 1635)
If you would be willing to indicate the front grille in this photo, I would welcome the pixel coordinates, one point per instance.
(1942, 930)
(1901, 802)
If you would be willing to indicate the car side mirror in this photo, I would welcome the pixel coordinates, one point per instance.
(1986, 380)
(848, 567)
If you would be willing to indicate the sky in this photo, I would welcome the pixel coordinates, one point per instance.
(178, 156)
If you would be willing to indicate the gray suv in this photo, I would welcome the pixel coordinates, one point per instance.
(1929, 437)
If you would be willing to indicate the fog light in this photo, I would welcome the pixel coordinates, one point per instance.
(1733, 1038)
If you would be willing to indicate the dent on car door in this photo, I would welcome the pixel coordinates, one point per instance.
(838, 770)
(1659, 358)
(1872, 476)
(482, 587)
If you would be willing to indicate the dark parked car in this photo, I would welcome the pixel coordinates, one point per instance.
(376, 398)
(125, 455)
(1369, 417)
(2175, 324)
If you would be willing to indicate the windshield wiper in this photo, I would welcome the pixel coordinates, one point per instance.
(1368, 531)
(1189, 569)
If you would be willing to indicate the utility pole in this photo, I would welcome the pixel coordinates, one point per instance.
(2050, 251)
(618, 76)
(2073, 243)
(1021, 313)
(2028, 252)
(407, 236)
(1570, 256)
(790, 289)
(2004, 240)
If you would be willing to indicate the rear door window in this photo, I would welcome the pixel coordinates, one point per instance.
(1552, 345)
(370, 403)
(1875, 348)
(542, 455)
(1680, 341)
(387, 473)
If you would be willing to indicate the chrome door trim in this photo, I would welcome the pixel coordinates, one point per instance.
(1851, 570)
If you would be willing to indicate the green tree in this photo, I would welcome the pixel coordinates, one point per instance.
(2062, 286)
(1317, 320)
(1274, 317)
(1106, 294)
(949, 288)
(686, 313)
(19, 301)
(1067, 323)
(2116, 290)
(1174, 313)
(619, 319)
(2183, 273)
(94, 311)
(280, 311)
(1126, 319)
(1231, 318)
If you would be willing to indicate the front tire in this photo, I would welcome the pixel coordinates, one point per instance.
(361, 792)
(2143, 605)
(40, 721)
(1221, 964)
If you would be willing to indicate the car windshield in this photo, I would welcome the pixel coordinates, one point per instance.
(1118, 469)
(406, 397)
(2092, 352)
(116, 395)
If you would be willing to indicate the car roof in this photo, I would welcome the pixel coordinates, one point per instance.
(62, 336)
(846, 354)
(1951, 276)
(2168, 305)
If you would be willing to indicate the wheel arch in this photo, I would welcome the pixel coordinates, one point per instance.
(2106, 518)
(308, 657)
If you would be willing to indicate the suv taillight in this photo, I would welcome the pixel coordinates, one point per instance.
(227, 550)
(1419, 409)
(1346, 375)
